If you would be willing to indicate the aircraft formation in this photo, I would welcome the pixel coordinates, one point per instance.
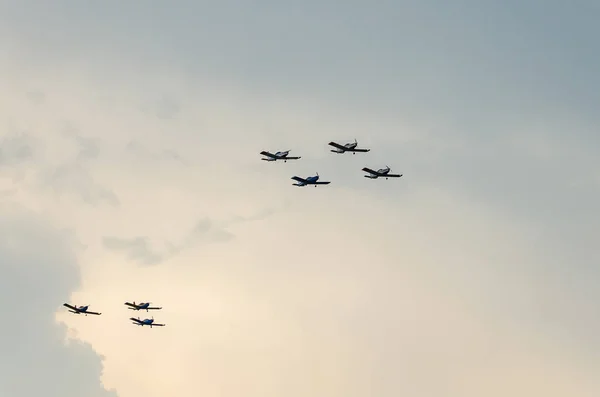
(130, 305)
(278, 156)
(351, 147)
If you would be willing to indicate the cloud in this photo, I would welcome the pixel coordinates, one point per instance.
(15, 149)
(137, 249)
(36, 282)
(164, 108)
(140, 249)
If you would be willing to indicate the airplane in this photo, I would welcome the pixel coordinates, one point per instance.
(80, 309)
(278, 156)
(141, 306)
(148, 321)
(348, 147)
(311, 180)
(382, 172)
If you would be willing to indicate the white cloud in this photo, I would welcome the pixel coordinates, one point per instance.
(38, 274)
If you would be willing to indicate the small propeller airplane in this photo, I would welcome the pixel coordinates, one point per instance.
(278, 156)
(80, 309)
(348, 147)
(311, 180)
(380, 173)
(148, 321)
(141, 306)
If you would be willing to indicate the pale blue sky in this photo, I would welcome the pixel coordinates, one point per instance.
(492, 103)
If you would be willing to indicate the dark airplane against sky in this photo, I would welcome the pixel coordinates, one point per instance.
(348, 147)
(278, 156)
(148, 321)
(141, 306)
(380, 173)
(311, 180)
(80, 309)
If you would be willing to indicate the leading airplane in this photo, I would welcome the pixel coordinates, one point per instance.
(80, 309)
(141, 306)
(348, 147)
(148, 321)
(278, 156)
(380, 173)
(311, 180)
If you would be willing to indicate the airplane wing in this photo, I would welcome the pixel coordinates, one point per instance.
(337, 146)
(393, 175)
(153, 308)
(71, 307)
(158, 325)
(370, 171)
(136, 320)
(297, 178)
(321, 183)
(95, 313)
(130, 305)
(271, 155)
(292, 158)
(361, 150)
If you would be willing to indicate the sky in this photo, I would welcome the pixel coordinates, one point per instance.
(129, 170)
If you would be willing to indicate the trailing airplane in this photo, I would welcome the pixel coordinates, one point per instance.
(348, 147)
(380, 173)
(80, 309)
(148, 321)
(141, 306)
(311, 180)
(278, 156)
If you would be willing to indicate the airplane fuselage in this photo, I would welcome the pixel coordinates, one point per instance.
(280, 155)
(148, 321)
(80, 310)
(351, 147)
(380, 173)
(309, 181)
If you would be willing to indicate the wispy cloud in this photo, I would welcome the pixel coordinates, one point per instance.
(140, 249)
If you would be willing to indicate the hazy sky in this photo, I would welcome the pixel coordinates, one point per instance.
(129, 170)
